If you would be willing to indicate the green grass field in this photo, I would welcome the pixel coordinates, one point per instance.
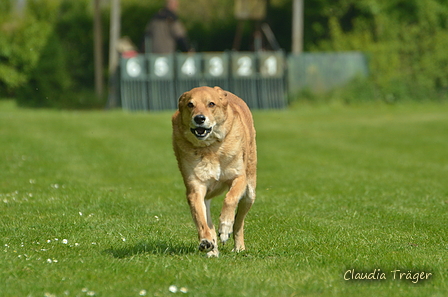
(92, 204)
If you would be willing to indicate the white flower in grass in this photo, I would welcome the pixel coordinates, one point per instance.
(49, 261)
(142, 293)
(183, 290)
(173, 289)
(64, 241)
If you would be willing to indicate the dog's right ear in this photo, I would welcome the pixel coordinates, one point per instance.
(181, 98)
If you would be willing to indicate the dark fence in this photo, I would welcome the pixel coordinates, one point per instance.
(263, 80)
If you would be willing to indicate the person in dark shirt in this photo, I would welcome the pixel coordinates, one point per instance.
(166, 32)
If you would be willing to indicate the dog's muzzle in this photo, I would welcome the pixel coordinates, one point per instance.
(201, 132)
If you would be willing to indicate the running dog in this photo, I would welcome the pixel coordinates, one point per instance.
(214, 144)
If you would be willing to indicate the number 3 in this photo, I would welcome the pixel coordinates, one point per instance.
(215, 66)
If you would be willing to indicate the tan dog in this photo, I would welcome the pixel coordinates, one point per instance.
(214, 143)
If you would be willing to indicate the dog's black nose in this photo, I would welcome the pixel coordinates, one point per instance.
(199, 119)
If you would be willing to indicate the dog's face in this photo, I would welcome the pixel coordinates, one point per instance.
(202, 111)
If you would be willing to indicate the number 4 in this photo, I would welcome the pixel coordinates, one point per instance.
(189, 67)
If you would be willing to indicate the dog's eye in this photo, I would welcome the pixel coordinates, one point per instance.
(190, 105)
(211, 104)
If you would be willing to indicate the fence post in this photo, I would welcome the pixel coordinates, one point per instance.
(134, 92)
(244, 77)
(216, 70)
(161, 82)
(188, 72)
(272, 80)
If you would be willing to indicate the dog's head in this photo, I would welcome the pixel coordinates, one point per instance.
(203, 110)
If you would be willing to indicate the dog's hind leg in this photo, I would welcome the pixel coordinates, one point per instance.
(238, 227)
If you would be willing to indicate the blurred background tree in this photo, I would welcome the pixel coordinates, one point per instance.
(46, 50)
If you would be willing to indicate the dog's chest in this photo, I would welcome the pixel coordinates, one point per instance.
(218, 168)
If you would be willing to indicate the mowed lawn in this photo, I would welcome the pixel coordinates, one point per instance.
(92, 204)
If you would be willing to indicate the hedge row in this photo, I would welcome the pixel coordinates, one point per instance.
(46, 55)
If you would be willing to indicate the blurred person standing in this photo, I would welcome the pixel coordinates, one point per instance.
(165, 31)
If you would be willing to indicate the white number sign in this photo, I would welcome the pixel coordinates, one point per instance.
(161, 66)
(244, 66)
(270, 65)
(216, 67)
(189, 67)
(133, 67)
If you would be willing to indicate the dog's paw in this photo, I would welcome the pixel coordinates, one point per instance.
(238, 249)
(213, 253)
(206, 245)
(224, 237)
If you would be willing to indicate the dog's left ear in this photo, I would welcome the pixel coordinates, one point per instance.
(220, 91)
(222, 95)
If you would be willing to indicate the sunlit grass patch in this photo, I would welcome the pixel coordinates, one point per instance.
(92, 203)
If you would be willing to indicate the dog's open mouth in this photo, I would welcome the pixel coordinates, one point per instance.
(201, 132)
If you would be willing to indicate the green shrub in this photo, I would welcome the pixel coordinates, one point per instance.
(365, 90)
(62, 77)
(406, 42)
(20, 46)
(49, 83)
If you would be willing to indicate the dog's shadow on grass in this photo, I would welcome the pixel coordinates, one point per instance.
(151, 248)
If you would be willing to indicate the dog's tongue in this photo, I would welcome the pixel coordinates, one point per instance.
(200, 131)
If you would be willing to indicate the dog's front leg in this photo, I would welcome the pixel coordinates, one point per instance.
(199, 212)
(227, 217)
